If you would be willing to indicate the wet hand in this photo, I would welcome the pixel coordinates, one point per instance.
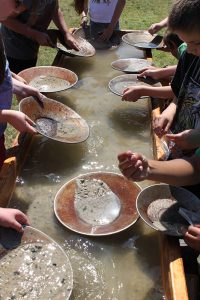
(187, 139)
(105, 35)
(133, 165)
(162, 124)
(132, 94)
(71, 42)
(192, 237)
(20, 121)
(13, 218)
(154, 28)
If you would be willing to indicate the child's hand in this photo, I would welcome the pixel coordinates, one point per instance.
(43, 39)
(24, 90)
(186, 140)
(132, 93)
(155, 73)
(84, 22)
(106, 35)
(133, 165)
(20, 121)
(192, 237)
(19, 78)
(154, 28)
(70, 41)
(13, 218)
(162, 124)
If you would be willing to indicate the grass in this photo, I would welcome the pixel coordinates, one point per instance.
(138, 14)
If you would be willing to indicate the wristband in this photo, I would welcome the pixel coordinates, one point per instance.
(83, 17)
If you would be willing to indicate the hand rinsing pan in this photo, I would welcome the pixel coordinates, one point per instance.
(130, 65)
(48, 79)
(85, 48)
(55, 120)
(97, 215)
(158, 205)
(34, 265)
(118, 84)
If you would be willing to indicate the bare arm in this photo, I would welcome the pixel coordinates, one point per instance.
(59, 21)
(180, 172)
(135, 92)
(40, 37)
(115, 18)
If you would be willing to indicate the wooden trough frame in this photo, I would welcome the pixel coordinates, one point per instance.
(173, 276)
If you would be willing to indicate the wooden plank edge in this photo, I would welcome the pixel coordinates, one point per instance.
(172, 269)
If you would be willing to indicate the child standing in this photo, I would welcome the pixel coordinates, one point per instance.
(12, 218)
(104, 16)
(25, 31)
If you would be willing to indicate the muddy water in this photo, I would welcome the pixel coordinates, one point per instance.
(120, 267)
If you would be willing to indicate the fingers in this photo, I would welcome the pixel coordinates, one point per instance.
(22, 218)
(30, 125)
(192, 237)
(125, 155)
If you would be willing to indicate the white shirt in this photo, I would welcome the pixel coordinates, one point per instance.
(102, 12)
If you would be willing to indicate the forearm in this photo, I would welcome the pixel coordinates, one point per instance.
(85, 10)
(177, 172)
(117, 13)
(5, 115)
(164, 92)
(163, 23)
(168, 71)
(59, 21)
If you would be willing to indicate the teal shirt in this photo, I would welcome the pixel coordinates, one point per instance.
(181, 49)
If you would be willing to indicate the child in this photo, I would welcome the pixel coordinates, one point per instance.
(185, 114)
(179, 172)
(184, 21)
(9, 217)
(24, 32)
(104, 17)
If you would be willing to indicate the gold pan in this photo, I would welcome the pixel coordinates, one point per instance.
(37, 267)
(158, 206)
(55, 120)
(130, 65)
(125, 190)
(49, 79)
(118, 84)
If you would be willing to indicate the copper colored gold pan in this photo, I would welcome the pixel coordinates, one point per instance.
(118, 84)
(49, 78)
(33, 236)
(124, 189)
(168, 221)
(55, 120)
(130, 65)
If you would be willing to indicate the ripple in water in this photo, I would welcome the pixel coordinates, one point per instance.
(89, 271)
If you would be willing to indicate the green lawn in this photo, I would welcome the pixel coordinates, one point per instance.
(138, 14)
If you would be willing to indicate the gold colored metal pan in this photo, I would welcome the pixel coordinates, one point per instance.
(55, 120)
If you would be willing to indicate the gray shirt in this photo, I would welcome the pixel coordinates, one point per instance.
(38, 16)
